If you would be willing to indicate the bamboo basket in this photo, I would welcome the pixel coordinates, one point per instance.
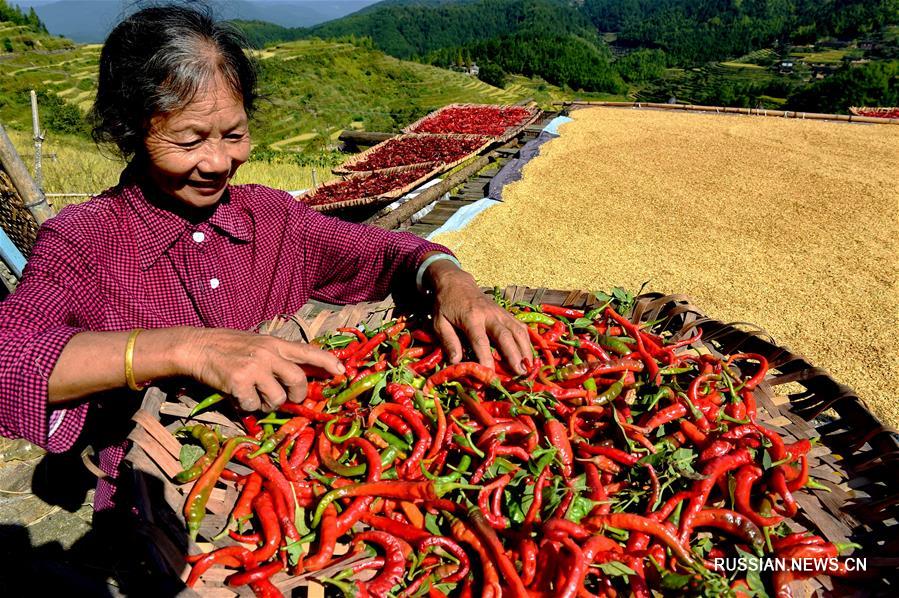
(346, 167)
(15, 219)
(507, 135)
(372, 200)
(856, 457)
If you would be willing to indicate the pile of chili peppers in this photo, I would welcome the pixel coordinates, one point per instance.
(473, 119)
(365, 185)
(405, 150)
(623, 462)
(879, 112)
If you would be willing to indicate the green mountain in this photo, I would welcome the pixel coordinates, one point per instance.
(689, 32)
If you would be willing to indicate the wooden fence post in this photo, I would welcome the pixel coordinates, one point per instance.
(31, 194)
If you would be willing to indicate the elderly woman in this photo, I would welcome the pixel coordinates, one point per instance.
(162, 275)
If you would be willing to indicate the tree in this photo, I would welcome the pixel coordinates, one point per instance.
(492, 74)
(7, 44)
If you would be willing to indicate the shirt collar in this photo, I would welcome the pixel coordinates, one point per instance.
(160, 228)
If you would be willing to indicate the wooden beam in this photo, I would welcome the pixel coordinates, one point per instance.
(31, 194)
(407, 210)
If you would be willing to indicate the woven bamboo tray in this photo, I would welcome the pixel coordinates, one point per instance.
(346, 167)
(372, 200)
(856, 458)
(507, 135)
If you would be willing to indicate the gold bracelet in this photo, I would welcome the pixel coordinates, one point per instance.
(129, 361)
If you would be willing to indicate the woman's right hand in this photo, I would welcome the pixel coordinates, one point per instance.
(261, 372)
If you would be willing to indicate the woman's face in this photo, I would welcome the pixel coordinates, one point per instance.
(194, 152)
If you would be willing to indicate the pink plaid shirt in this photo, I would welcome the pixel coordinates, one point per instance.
(119, 262)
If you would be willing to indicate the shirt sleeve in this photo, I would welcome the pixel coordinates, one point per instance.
(350, 262)
(36, 323)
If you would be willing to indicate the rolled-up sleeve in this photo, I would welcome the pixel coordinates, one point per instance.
(353, 262)
(36, 323)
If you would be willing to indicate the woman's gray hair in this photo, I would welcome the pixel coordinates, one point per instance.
(155, 61)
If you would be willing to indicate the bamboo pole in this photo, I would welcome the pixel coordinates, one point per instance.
(31, 194)
(38, 142)
(852, 118)
(407, 210)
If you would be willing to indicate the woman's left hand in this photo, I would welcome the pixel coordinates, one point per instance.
(460, 305)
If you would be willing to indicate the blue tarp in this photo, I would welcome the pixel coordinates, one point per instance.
(463, 216)
(509, 173)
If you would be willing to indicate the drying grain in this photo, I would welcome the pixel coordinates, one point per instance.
(789, 224)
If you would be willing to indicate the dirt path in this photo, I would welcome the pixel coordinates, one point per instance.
(789, 224)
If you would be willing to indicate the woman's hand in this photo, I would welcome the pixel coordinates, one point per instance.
(460, 304)
(260, 371)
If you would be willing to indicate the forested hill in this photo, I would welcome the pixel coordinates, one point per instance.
(693, 31)
(688, 31)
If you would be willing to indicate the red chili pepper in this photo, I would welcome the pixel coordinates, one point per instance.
(666, 415)
(271, 528)
(451, 548)
(732, 523)
(759, 375)
(254, 575)
(645, 525)
(534, 510)
(527, 552)
(360, 505)
(243, 508)
(565, 312)
(497, 554)
(233, 556)
(465, 369)
(713, 470)
(394, 562)
(327, 541)
(407, 532)
(652, 367)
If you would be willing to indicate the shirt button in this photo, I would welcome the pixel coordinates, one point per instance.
(199, 237)
(214, 283)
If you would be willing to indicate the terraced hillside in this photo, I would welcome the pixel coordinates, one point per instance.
(69, 71)
(22, 38)
(750, 75)
(314, 89)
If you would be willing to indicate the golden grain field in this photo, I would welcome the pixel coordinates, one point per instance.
(789, 224)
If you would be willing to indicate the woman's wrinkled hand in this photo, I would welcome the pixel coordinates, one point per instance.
(460, 305)
(261, 372)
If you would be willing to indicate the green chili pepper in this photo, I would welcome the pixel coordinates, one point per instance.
(366, 383)
(195, 505)
(354, 430)
(616, 344)
(351, 471)
(392, 439)
(671, 371)
(205, 404)
(534, 317)
(590, 384)
(611, 393)
(466, 442)
(464, 464)
(210, 442)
